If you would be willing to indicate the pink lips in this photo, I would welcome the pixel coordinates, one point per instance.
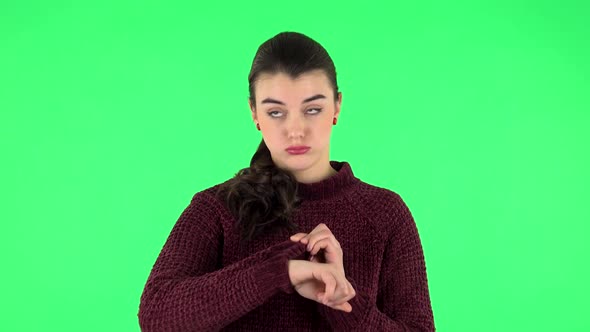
(297, 149)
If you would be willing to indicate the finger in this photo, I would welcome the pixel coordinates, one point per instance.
(344, 292)
(344, 307)
(341, 293)
(320, 297)
(297, 237)
(329, 244)
(320, 227)
(350, 293)
(340, 306)
(307, 236)
(323, 244)
(330, 286)
(331, 253)
(341, 303)
(305, 239)
(318, 236)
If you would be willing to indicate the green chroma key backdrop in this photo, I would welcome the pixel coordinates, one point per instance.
(114, 113)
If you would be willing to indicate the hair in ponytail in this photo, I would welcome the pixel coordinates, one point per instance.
(263, 197)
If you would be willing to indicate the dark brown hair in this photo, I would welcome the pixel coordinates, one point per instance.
(262, 197)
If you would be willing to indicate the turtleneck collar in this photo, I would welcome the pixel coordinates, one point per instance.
(330, 186)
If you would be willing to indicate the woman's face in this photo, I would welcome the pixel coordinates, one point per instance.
(295, 112)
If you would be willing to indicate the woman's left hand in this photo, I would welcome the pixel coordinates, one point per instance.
(322, 238)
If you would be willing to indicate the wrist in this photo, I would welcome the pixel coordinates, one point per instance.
(293, 266)
(300, 271)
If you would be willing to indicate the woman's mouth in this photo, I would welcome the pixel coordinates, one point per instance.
(297, 149)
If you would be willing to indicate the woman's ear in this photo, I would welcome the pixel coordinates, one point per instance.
(252, 109)
(337, 104)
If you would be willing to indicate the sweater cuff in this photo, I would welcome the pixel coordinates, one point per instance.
(273, 273)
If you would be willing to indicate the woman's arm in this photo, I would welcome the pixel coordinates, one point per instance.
(185, 291)
(403, 286)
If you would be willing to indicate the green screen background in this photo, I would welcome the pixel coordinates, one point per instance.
(114, 113)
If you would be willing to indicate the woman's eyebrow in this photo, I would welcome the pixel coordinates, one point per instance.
(307, 100)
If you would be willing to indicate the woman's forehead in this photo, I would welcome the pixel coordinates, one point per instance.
(281, 84)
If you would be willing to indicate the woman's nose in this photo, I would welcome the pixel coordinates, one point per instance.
(295, 127)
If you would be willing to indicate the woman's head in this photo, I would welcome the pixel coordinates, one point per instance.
(294, 98)
(292, 53)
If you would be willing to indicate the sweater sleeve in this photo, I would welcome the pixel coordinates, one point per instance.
(403, 286)
(187, 291)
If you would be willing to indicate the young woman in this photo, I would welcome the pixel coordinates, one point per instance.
(295, 241)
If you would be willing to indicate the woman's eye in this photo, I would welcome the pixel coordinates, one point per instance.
(273, 114)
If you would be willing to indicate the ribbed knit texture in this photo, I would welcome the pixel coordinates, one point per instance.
(203, 280)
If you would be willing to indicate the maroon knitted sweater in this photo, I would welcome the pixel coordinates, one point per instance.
(203, 280)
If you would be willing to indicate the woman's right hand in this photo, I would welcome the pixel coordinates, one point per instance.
(319, 282)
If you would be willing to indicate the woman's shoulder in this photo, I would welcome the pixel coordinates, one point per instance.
(207, 197)
(377, 196)
(384, 206)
